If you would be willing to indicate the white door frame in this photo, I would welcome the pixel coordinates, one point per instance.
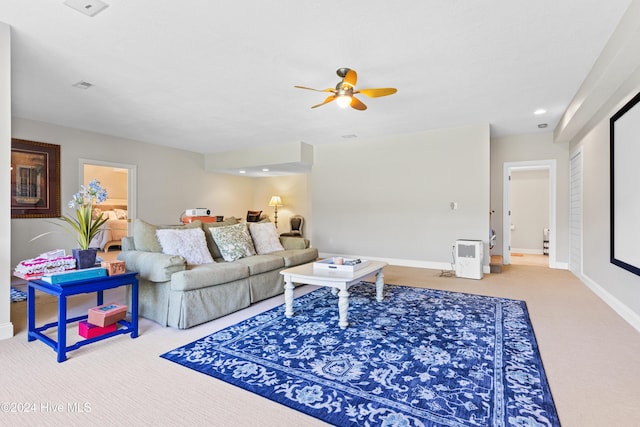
(572, 268)
(509, 167)
(132, 184)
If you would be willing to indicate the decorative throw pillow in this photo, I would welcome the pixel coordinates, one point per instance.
(265, 237)
(144, 234)
(189, 243)
(109, 215)
(233, 241)
(120, 213)
(213, 248)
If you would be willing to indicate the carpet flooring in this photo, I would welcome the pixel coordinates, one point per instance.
(421, 357)
(590, 356)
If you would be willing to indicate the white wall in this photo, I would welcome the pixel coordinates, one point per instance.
(6, 327)
(389, 198)
(614, 80)
(528, 147)
(169, 181)
(529, 210)
(617, 286)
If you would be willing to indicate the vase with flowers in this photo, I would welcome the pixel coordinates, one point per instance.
(84, 226)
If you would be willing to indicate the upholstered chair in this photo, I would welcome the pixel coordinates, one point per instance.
(296, 222)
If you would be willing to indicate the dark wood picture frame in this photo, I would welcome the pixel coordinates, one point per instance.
(624, 178)
(35, 179)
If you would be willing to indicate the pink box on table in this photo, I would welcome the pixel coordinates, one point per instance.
(87, 330)
(107, 314)
(114, 267)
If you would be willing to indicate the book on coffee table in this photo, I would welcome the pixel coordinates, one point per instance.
(74, 275)
(348, 265)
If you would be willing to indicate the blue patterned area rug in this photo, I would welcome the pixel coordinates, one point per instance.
(18, 295)
(421, 357)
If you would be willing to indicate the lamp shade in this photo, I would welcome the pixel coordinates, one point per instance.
(275, 201)
(343, 101)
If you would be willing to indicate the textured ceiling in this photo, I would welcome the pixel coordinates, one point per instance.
(218, 76)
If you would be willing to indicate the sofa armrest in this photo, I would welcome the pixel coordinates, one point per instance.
(291, 242)
(127, 243)
(153, 266)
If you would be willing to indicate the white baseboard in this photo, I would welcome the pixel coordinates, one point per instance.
(527, 251)
(559, 265)
(618, 306)
(433, 265)
(6, 331)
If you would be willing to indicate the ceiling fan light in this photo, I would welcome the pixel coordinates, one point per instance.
(343, 101)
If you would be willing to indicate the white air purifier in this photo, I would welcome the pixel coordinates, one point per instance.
(469, 256)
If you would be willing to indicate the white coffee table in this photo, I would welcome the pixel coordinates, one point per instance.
(338, 280)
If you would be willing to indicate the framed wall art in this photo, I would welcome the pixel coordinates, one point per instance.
(625, 176)
(35, 179)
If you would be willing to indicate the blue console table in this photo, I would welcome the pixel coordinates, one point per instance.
(62, 291)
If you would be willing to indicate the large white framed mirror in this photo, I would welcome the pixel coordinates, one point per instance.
(625, 186)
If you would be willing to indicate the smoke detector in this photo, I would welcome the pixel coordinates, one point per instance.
(87, 7)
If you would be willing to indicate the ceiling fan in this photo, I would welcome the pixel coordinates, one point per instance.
(345, 89)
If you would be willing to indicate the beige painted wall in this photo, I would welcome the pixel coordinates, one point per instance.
(614, 80)
(389, 198)
(169, 181)
(6, 327)
(616, 285)
(384, 184)
(528, 147)
(294, 191)
(114, 181)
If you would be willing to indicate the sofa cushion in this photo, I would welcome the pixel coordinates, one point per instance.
(233, 241)
(144, 234)
(261, 263)
(190, 243)
(291, 242)
(297, 256)
(205, 275)
(265, 237)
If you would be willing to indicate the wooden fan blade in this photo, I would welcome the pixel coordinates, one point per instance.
(374, 93)
(350, 79)
(317, 90)
(326, 101)
(357, 104)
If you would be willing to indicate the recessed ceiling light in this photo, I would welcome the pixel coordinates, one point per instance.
(542, 125)
(265, 169)
(83, 85)
(243, 171)
(539, 111)
(87, 7)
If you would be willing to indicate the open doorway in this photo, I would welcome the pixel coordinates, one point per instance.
(548, 247)
(529, 217)
(120, 182)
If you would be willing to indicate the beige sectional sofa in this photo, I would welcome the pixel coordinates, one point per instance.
(182, 291)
